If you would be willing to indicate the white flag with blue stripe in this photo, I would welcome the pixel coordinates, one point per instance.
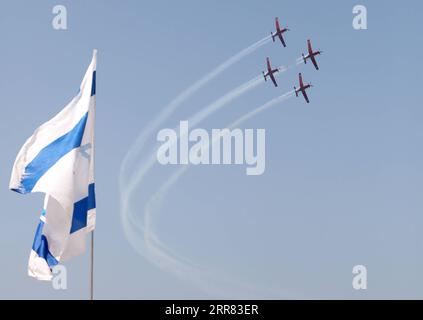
(58, 160)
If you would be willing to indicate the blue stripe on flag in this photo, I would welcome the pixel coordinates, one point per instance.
(93, 86)
(81, 208)
(52, 153)
(40, 246)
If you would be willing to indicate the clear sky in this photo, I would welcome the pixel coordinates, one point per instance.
(343, 179)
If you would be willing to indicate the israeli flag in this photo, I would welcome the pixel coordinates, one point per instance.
(58, 160)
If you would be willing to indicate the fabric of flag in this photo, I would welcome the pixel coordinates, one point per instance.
(58, 160)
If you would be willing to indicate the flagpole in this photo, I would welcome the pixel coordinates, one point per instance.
(92, 267)
(93, 85)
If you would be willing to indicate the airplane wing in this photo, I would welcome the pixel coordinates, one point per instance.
(305, 96)
(282, 40)
(278, 27)
(313, 59)
(301, 80)
(273, 79)
(310, 49)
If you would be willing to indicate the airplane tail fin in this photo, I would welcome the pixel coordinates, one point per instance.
(304, 58)
(296, 92)
(273, 36)
(264, 76)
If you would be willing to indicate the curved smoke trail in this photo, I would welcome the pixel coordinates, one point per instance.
(264, 107)
(211, 281)
(164, 114)
(197, 118)
(149, 233)
(127, 216)
(134, 225)
(175, 103)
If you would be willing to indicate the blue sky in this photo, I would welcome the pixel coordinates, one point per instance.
(343, 175)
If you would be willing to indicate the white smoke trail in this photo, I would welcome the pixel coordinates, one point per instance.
(175, 103)
(174, 178)
(129, 220)
(200, 116)
(180, 266)
(125, 192)
(205, 112)
(135, 226)
(264, 107)
(127, 189)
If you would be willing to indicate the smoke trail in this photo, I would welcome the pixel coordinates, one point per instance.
(126, 191)
(262, 108)
(194, 120)
(133, 225)
(185, 269)
(175, 103)
(214, 282)
(200, 116)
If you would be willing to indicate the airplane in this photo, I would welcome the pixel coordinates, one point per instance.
(270, 73)
(302, 88)
(311, 55)
(279, 32)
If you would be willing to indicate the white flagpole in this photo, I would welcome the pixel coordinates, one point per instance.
(92, 267)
